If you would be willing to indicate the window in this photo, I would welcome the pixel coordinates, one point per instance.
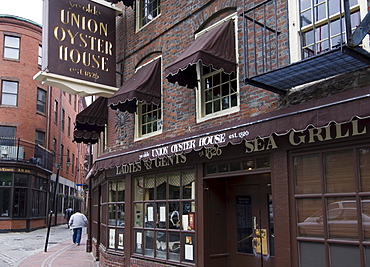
(20, 194)
(11, 47)
(62, 119)
(56, 112)
(54, 145)
(149, 119)
(322, 25)
(164, 214)
(69, 126)
(148, 10)
(68, 161)
(9, 93)
(73, 163)
(39, 187)
(6, 179)
(40, 137)
(7, 135)
(333, 206)
(41, 100)
(75, 102)
(116, 214)
(39, 58)
(219, 91)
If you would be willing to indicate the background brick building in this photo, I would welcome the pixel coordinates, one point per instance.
(36, 133)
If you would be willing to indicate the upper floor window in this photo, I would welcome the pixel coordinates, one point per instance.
(148, 10)
(322, 25)
(11, 47)
(219, 91)
(62, 119)
(40, 138)
(149, 119)
(39, 59)
(69, 126)
(9, 93)
(56, 112)
(41, 100)
(7, 135)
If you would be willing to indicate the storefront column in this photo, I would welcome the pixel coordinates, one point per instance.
(280, 192)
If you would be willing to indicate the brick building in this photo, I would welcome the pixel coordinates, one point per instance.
(238, 136)
(36, 133)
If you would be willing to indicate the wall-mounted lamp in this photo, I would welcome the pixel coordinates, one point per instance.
(68, 162)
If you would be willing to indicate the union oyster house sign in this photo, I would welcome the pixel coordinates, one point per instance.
(79, 46)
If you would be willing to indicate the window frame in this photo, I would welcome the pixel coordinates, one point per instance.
(9, 93)
(11, 48)
(139, 17)
(160, 212)
(201, 115)
(41, 102)
(318, 191)
(38, 140)
(119, 226)
(295, 27)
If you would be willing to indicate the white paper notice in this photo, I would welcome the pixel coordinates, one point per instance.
(111, 238)
(162, 214)
(150, 214)
(189, 252)
(138, 240)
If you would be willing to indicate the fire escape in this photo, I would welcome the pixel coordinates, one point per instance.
(268, 66)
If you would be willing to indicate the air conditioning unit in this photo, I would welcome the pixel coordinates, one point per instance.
(11, 152)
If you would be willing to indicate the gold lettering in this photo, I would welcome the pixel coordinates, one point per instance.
(312, 134)
(355, 128)
(271, 144)
(301, 139)
(58, 29)
(338, 130)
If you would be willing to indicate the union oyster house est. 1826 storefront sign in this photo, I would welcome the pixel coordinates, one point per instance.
(210, 146)
(79, 47)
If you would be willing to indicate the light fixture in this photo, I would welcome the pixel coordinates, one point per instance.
(68, 162)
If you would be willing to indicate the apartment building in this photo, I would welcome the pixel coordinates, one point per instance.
(36, 134)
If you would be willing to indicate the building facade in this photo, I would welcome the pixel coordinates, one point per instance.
(36, 133)
(239, 136)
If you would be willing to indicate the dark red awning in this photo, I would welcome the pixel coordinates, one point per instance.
(214, 48)
(338, 109)
(144, 86)
(91, 122)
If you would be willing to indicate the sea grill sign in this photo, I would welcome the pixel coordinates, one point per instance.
(80, 37)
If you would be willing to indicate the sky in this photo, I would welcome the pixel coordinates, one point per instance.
(28, 9)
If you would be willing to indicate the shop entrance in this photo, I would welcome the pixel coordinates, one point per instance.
(248, 226)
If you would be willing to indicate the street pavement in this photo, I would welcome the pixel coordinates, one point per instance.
(27, 249)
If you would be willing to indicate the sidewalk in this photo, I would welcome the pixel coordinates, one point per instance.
(63, 254)
(26, 249)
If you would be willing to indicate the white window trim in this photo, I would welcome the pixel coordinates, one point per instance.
(137, 14)
(137, 136)
(294, 25)
(199, 104)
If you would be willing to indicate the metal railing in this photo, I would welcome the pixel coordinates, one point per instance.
(18, 150)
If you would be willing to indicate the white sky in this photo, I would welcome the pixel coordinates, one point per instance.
(28, 9)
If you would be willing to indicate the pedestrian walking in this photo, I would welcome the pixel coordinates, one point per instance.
(68, 214)
(76, 222)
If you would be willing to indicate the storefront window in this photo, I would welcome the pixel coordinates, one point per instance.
(116, 214)
(333, 204)
(164, 218)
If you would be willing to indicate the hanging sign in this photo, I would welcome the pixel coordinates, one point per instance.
(80, 44)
